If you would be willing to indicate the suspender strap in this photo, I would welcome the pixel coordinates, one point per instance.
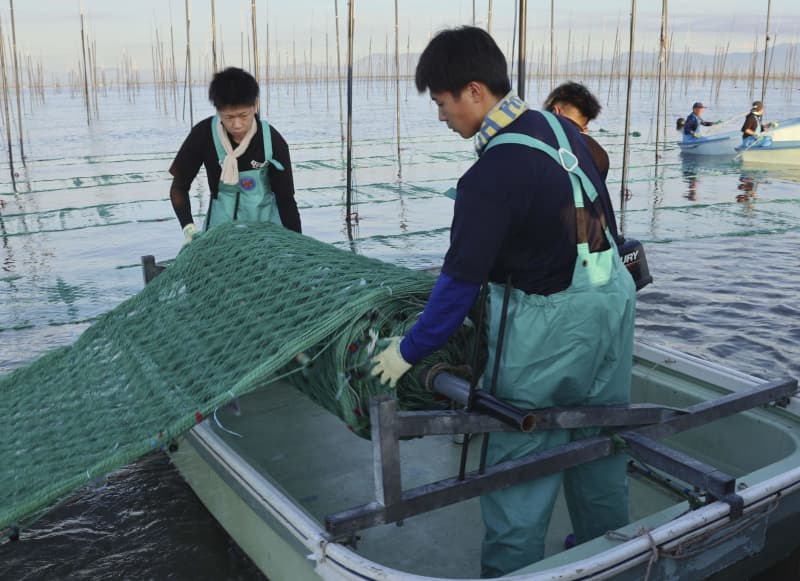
(567, 160)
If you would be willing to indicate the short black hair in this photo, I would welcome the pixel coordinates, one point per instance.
(458, 56)
(576, 95)
(232, 87)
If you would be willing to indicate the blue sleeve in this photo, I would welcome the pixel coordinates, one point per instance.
(448, 306)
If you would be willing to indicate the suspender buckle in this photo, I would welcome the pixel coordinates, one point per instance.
(568, 160)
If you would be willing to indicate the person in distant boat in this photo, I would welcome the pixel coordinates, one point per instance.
(693, 122)
(247, 162)
(753, 127)
(522, 224)
(575, 102)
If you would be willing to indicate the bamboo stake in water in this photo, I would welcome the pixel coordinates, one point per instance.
(397, 86)
(5, 109)
(624, 185)
(189, 61)
(266, 60)
(339, 67)
(661, 51)
(255, 38)
(552, 47)
(16, 82)
(85, 75)
(174, 75)
(349, 186)
(214, 38)
(764, 74)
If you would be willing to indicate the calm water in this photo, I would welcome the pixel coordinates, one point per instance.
(721, 239)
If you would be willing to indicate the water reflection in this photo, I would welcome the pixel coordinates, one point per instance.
(695, 168)
(747, 188)
(689, 173)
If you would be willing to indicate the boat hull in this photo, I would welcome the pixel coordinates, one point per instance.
(785, 153)
(271, 493)
(716, 145)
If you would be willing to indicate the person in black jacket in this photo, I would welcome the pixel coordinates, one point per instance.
(530, 217)
(753, 127)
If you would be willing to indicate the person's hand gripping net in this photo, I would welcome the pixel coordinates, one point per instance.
(389, 365)
(190, 232)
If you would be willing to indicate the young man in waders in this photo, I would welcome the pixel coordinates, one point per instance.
(246, 160)
(528, 216)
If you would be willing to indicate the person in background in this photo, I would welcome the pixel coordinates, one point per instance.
(693, 122)
(520, 221)
(247, 162)
(753, 127)
(575, 102)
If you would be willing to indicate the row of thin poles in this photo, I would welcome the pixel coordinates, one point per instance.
(162, 78)
(89, 66)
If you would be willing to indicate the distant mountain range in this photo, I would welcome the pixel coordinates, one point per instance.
(783, 57)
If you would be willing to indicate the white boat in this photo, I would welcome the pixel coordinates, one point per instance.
(782, 147)
(720, 144)
(307, 499)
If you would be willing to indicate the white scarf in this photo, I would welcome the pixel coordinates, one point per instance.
(230, 165)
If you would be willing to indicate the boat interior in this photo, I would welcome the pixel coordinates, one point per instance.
(313, 457)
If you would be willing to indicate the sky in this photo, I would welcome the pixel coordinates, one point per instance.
(49, 31)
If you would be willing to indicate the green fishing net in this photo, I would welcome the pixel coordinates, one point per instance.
(240, 307)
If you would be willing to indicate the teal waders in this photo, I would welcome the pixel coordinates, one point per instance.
(571, 348)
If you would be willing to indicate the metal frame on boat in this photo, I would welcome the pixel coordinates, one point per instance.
(746, 515)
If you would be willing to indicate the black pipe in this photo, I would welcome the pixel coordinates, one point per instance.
(457, 389)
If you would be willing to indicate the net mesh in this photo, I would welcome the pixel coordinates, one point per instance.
(241, 306)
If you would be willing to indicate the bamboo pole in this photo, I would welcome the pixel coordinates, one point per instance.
(327, 74)
(266, 60)
(661, 51)
(349, 186)
(6, 110)
(339, 68)
(214, 38)
(85, 75)
(93, 61)
(188, 88)
(552, 46)
(397, 85)
(16, 81)
(174, 75)
(255, 38)
(624, 185)
(764, 73)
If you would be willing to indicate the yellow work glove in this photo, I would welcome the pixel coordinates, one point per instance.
(389, 365)
(189, 232)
